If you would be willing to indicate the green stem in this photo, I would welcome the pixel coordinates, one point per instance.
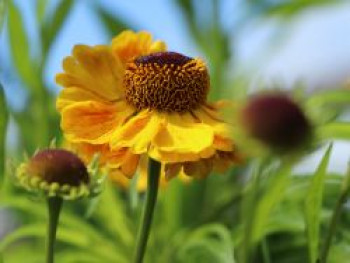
(147, 214)
(54, 206)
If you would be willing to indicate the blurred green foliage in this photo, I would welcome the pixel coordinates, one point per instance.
(3, 131)
(268, 215)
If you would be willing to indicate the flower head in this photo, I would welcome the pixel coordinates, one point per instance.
(57, 172)
(277, 121)
(135, 99)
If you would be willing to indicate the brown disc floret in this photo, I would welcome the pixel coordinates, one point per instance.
(166, 82)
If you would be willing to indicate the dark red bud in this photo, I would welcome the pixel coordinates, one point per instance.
(276, 120)
(58, 166)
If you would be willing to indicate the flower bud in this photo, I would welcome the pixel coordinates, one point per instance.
(58, 172)
(277, 121)
(58, 166)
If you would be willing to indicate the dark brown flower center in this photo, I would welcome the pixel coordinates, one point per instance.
(167, 82)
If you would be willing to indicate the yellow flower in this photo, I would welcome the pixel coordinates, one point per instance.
(134, 99)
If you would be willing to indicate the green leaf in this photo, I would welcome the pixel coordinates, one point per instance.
(287, 9)
(173, 205)
(51, 28)
(40, 10)
(334, 130)
(2, 13)
(210, 243)
(85, 256)
(73, 237)
(3, 128)
(270, 199)
(113, 24)
(37, 230)
(313, 206)
(110, 206)
(19, 46)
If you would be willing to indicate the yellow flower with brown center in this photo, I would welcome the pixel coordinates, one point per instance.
(134, 99)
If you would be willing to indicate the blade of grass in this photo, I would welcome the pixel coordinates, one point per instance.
(113, 24)
(212, 240)
(40, 10)
(2, 13)
(20, 48)
(111, 206)
(335, 217)
(3, 128)
(273, 195)
(74, 237)
(51, 29)
(248, 212)
(313, 206)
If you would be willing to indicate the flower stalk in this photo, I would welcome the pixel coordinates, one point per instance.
(147, 214)
(54, 208)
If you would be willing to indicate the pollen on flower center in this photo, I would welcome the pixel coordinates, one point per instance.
(167, 82)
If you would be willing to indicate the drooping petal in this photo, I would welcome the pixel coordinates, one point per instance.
(129, 165)
(182, 138)
(199, 169)
(222, 131)
(138, 132)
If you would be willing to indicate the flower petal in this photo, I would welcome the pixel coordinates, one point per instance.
(130, 163)
(183, 139)
(138, 132)
(200, 169)
(94, 69)
(222, 130)
(129, 45)
(72, 95)
(92, 122)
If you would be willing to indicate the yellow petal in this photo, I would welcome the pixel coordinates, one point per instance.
(212, 119)
(158, 46)
(129, 45)
(92, 122)
(138, 132)
(222, 144)
(130, 163)
(94, 69)
(183, 139)
(71, 95)
(119, 177)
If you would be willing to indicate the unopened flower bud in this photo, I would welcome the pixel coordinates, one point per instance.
(277, 121)
(58, 166)
(57, 172)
